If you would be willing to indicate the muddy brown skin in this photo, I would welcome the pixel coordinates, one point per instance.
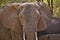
(23, 17)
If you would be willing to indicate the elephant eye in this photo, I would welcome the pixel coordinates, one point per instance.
(21, 19)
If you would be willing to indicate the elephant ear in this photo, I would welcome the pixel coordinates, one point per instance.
(45, 11)
(10, 18)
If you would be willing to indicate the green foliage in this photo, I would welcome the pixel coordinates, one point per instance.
(56, 5)
(3, 2)
(32, 0)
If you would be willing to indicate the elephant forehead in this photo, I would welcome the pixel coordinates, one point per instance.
(23, 5)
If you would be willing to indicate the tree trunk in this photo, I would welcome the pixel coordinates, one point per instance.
(52, 6)
(48, 2)
(39, 0)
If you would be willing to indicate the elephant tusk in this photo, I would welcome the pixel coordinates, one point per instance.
(24, 36)
(36, 36)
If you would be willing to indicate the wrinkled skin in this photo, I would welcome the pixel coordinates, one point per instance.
(23, 17)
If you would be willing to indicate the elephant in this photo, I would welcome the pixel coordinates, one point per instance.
(23, 19)
(45, 15)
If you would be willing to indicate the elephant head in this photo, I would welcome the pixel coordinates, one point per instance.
(24, 17)
(31, 20)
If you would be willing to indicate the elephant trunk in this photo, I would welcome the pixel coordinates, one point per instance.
(30, 35)
(30, 32)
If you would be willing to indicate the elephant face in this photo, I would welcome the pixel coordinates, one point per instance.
(30, 18)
